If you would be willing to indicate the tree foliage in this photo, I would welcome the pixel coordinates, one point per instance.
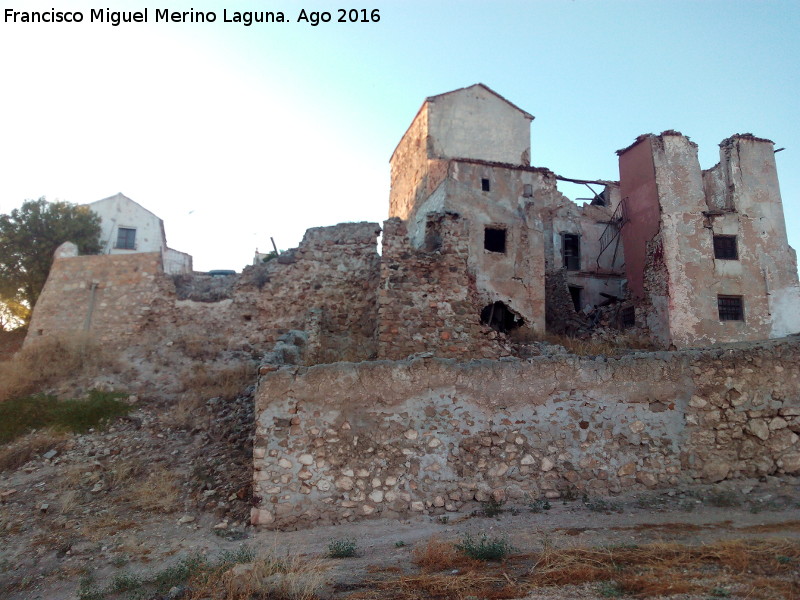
(29, 236)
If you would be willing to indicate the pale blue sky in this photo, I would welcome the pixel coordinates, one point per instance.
(234, 134)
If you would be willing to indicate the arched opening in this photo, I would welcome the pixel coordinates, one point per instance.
(500, 318)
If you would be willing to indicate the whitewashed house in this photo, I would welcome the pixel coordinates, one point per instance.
(126, 226)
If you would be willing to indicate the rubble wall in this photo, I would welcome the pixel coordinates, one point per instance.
(328, 284)
(427, 299)
(348, 441)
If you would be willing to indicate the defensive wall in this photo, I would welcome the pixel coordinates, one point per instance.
(346, 441)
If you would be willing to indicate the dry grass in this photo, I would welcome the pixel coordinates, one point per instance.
(754, 569)
(450, 586)
(609, 345)
(201, 347)
(48, 361)
(290, 577)
(20, 451)
(226, 383)
(159, 492)
(669, 569)
(187, 413)
(125, 472)
(437, 555)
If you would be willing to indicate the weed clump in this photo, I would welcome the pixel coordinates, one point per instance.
(601, 505)
(492, 508)
(342, 548)
(484, 547)
(539, 505)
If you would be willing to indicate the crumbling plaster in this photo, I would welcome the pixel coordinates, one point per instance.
(391, 438)
(666, 192)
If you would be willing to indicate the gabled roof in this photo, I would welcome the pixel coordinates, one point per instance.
(433, 99)
(488, 89)
(121, 196)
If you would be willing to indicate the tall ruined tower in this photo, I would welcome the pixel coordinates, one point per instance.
(706, 252)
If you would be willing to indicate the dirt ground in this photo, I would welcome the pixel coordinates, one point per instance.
(85, 509)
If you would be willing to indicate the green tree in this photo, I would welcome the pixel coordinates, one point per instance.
(29, 236)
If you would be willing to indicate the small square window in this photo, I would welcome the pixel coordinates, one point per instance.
(725, 247)
(494, 239)
(731, 308)
(126, 238)
(485, 186)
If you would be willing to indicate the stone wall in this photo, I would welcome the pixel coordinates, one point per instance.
(676, 210)
(328, 284)
(347, 441)
(427, 301)
(108, 296)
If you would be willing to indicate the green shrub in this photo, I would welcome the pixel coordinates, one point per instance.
(539, 505)
(485, 548)
(492, 508)
(344, 548)
(19, 416)
(179, 573)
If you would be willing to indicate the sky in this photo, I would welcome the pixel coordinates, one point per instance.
(235, 134)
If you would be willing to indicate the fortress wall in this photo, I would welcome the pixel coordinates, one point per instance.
(329, 283)
(388, 438)
(108, 296)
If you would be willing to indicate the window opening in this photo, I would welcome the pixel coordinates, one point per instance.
(731, 308)
(494, 239)
(725, 247)
(485, 186)
(126, 238)
(575, 293)
(500, 318)
(527, 190)
(433, 235)
(571, 251)
(628, 317)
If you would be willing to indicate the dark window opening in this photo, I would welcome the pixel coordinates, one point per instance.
(571, 251)
(500, 318)
(527, 190)
(126, 238)
(433, 236)
(485, 186)
(628, 317)
(247, 317)
(725, 247)
(731, 308)
(494, 239)
(575, 293)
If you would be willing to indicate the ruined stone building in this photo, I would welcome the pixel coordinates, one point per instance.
(692, 257)
(480, 255)
(480, 243)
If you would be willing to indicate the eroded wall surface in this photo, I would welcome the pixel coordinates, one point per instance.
(428, 301)
(675, 212)
(348, 441)
(327, 285)
(108, 296)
